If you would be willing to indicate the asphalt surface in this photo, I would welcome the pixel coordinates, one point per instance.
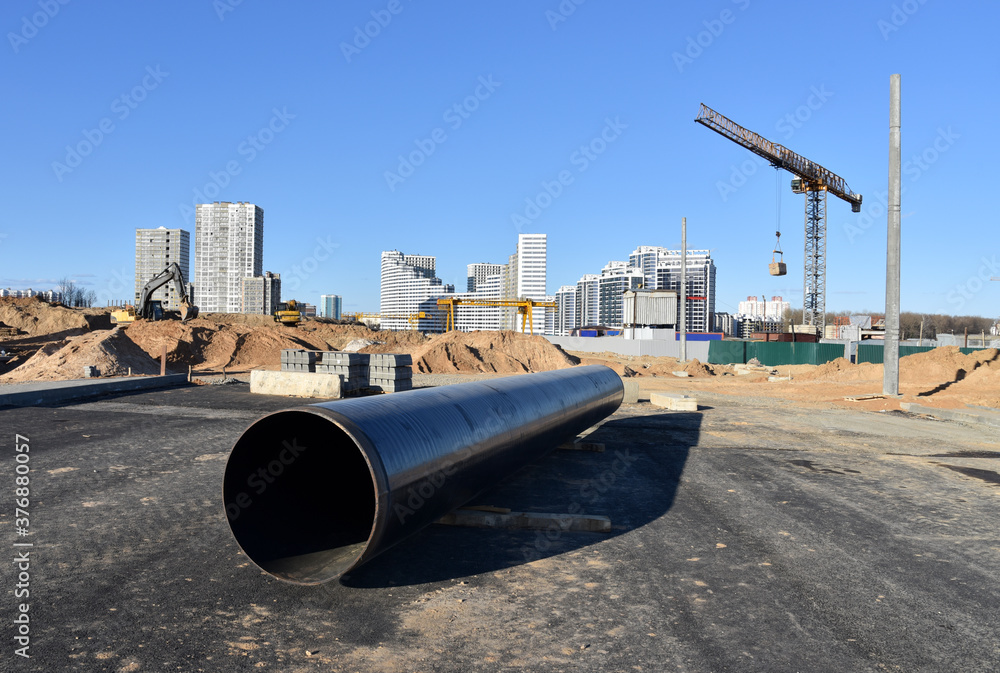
(751, 536)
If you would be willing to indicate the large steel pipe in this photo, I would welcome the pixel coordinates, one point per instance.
(312, 492)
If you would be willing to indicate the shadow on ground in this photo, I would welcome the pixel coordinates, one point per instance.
(633, 482)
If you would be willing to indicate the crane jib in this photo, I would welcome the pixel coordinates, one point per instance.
(816, 176)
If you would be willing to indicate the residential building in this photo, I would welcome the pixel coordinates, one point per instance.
(155, 250)
(470, 318)
(330, 306)
(588, 301)
(408, 286)
(308, 310)
(229, 246)
(700, 291)
(616, 278)
(725, 323)
(758, 307)
(525, 278)
(661, 271)
(51, 296)
(479, 272)
(565, 314)
(260, 294)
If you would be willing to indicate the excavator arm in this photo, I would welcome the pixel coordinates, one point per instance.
(171, 274)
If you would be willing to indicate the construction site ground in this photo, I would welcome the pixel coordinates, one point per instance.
(752, 535)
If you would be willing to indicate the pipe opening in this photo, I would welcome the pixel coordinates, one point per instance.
(300, 497)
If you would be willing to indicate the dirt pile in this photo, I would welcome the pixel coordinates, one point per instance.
(205, 344)
(942, 365)
(501, 352)
(111, 351)
(840, 370)
(33, 316)
(981, 387)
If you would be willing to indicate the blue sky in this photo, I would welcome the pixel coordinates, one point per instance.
(120, 114)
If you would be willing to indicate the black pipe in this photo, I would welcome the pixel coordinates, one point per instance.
(312, 492)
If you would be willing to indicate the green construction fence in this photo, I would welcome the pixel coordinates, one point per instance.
(773, 353)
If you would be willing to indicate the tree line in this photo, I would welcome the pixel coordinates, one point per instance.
(910, 322)
(74, 295)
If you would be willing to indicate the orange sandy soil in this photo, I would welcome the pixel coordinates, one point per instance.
(55, 343)
(943, 378)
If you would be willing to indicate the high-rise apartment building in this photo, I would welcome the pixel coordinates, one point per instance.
(616, 278)
(700, 291)
(229, 246)
(330, 306)
(588, 300)
(408, 286)
(565, 317)
(525, 278)
(155, 250)
(260, 294)
(479, 272)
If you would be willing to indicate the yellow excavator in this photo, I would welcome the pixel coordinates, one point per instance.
(148, 308)
(288, 313)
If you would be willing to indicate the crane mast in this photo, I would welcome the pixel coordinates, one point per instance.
(814, 181)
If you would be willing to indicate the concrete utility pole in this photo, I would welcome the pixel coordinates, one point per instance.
(682, 295)
(890, 376)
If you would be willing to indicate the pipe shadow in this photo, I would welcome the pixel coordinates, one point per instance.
(633, 482)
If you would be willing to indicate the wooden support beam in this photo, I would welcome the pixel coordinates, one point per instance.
(477, 518)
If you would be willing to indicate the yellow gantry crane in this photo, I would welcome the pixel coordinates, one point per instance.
(814, 181)
(524, 308)
(412, 318)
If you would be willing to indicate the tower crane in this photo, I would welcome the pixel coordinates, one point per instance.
(812, 180)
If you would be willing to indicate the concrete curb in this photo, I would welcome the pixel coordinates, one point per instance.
(972, 416)
(50, 392)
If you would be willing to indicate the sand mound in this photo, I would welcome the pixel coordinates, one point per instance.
(942, 365)
(111, 351)
(501, 352)
(206, 344)
(696, 368)
(841, 370)
(33, 316)
(981, 387)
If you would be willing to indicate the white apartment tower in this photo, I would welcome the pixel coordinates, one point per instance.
(155, 250)
(525, 278)
(409, 286)
(479, 272)
(229, 246)
(565, 311)
(758, 307)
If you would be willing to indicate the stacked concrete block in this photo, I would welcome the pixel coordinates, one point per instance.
(298, 360)
(353, 367)
(390, 372)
